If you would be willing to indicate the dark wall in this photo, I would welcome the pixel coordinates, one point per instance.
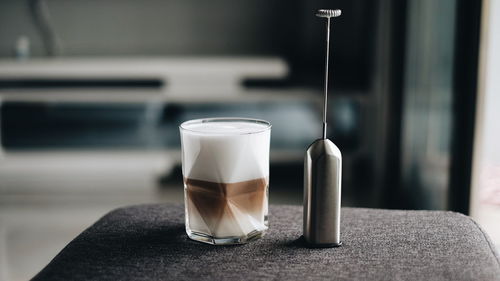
(222, 28)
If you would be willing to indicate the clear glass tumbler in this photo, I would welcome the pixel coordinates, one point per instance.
(225, 165)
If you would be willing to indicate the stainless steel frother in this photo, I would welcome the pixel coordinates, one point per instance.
(322, 175)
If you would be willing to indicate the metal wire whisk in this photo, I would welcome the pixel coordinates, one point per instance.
(327, 14)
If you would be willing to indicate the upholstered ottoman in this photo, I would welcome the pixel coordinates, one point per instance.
(148, 242)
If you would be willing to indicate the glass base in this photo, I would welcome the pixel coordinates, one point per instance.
(202, 237)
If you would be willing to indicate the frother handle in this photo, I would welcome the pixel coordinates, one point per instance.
(322, 194)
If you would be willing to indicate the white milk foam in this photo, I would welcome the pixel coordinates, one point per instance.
(225, 152)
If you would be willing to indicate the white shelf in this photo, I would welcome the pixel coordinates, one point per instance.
(182, 78)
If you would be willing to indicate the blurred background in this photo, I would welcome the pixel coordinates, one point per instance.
(92, 93)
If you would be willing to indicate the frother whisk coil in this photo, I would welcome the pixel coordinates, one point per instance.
(326, 13)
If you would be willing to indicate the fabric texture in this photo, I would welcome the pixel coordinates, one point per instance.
(148, 242)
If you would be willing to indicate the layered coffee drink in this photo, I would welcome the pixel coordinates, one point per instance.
(225, 163)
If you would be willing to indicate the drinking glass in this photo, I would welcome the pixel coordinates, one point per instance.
(225, 166)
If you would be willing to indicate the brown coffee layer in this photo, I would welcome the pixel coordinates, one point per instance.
(217, 201)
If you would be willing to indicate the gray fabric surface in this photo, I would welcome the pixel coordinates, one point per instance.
(148, 242)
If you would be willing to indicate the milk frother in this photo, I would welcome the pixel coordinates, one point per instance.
(322, 175)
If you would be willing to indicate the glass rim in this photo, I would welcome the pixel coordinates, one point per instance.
(267, 125)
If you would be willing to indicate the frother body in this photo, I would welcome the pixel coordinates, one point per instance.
(322, 193)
